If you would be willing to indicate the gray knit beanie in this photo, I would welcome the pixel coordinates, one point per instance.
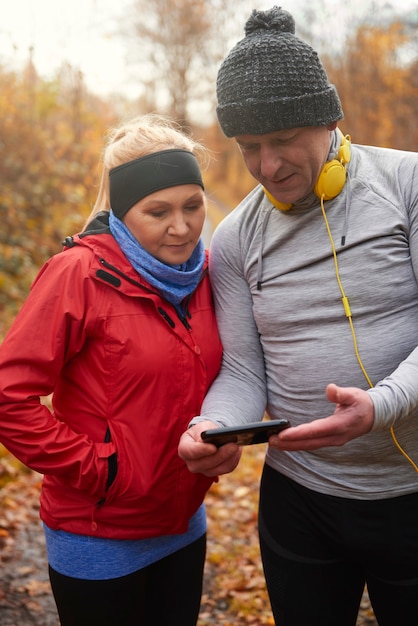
(272, 80)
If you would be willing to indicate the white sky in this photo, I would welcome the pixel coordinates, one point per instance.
(83, 33)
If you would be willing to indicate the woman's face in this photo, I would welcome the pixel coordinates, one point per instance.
(168, 223)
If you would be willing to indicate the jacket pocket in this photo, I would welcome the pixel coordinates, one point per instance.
(112, 463)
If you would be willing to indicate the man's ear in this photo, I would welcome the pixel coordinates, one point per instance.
(332, 126)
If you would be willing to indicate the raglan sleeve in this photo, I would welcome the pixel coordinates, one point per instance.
(238, 395)
(396, 396)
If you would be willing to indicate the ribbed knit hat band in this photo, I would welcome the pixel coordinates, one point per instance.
(272, 80)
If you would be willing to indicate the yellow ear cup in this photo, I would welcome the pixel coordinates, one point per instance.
(331, 180)
(333, 175)
(344, 154)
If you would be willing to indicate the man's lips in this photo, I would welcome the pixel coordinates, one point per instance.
(282, 181)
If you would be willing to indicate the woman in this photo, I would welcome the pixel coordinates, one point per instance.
(120, 328)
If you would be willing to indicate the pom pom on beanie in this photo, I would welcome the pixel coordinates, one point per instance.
(272, 80)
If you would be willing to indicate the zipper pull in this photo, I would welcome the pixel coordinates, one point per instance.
(166, 316)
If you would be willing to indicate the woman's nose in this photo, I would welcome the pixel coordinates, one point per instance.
(178, 225)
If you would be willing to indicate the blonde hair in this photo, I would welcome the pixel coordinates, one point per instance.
(137, 138)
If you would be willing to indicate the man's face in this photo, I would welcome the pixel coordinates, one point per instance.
(287, 162)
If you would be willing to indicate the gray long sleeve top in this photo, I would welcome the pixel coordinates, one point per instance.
(286, 335)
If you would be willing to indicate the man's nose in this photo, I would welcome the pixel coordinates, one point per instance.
(270, 161)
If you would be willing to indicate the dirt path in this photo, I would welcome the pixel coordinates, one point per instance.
(25, 592)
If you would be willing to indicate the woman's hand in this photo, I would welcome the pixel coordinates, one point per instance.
(205, 458)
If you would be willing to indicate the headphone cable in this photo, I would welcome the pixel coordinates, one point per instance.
(348, 313)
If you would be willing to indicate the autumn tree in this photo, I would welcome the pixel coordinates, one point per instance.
(175, 48)
(51, 136)
(377, 85)
(371, 58)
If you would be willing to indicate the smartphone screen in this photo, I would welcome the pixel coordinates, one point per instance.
(247, 435)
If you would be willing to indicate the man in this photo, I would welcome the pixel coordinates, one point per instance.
(315, 281)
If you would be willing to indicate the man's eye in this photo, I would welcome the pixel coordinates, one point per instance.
(248, 147)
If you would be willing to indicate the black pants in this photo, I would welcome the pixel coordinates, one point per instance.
(167, 593)
(318, 552)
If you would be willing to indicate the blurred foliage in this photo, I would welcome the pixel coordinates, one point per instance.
(10, 467)
(377, 79)
(51, 137)
(52, 134)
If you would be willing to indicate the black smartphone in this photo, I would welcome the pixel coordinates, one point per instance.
(247, 435)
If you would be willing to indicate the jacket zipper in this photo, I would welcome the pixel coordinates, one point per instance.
(161, 311)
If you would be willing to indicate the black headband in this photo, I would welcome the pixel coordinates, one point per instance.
(132, 181)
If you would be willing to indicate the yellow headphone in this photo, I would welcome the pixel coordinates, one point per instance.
(331, 180)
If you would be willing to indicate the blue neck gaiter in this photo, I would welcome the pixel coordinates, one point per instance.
(174, 282)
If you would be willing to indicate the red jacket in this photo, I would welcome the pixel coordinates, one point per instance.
(126, 376)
